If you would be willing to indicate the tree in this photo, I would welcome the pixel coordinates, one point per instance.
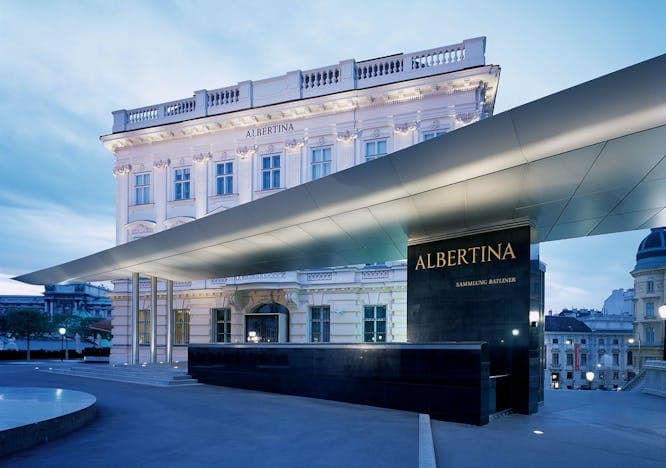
(75, 324)
(28, 324)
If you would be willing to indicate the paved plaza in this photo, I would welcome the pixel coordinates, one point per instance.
(202, 425)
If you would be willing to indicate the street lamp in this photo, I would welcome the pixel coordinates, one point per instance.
(662, 314)
(62, 331)
(589, 375)
(631, 341)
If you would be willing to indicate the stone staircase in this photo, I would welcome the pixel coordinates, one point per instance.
(155, 375)
(636, 383)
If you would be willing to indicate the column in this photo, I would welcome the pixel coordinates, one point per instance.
(135, 318)
(200, 175)
(122, 172)
(169, 321)
(161, 176)
(153, 319)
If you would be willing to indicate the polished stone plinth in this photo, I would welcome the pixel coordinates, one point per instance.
(448, 381)
(33, 415)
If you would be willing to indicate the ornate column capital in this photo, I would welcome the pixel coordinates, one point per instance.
(245, 151)
(202, 158)
(347, 136)
(122, 169)
(162, 164)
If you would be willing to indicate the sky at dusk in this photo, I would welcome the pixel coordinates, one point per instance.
(65, 66)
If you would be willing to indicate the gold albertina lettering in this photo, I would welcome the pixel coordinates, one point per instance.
(468, 256)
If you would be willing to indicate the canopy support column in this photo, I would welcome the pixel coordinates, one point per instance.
(135, 318)
(169, 321)
(153, 319)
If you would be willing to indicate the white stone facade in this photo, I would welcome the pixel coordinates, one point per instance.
(179, 161)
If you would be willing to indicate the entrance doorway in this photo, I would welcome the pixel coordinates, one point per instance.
(267, 323)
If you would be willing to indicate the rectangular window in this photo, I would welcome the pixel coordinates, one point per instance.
(321, 162)
(374, 149)
(569, 359)
(616, 341)
(583, 341)
(182, 331)
(616, 359)
(141, 189)
(144, 327)
(224, 178)
(222, 319)
(181, 189)
(270, 172)
(555, 340)
(649, 335)
(374, 324)
(616, 375)
(556, 359)
(601, 341)
(650, 286)
(583, 360)
(320, 324)
(430, 135)
(649, 309)
(582, 375)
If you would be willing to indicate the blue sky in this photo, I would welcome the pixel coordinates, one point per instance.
(64, 66)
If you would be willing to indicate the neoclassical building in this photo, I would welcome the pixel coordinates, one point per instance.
(649, 294)
(182, 160)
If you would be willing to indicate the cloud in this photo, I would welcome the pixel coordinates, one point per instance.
(38, 234)
(15, 288)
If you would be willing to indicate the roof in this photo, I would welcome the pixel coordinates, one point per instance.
(565, 324)
(585, 161)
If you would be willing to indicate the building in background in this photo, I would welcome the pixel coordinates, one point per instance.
(594, 343)
(649, 277)
(185, 159)
(85, 300)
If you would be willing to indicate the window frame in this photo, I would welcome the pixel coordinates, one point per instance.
(375, 320)
(182, 337)
(226, 178)
(225, 322)
(272, 170)
(144, 327)
(324, 322)
(325, 165)
(182, 182)
(143, 188)
(376, 154)
(434, 133)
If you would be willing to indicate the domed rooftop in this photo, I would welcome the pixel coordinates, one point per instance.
(652, 250)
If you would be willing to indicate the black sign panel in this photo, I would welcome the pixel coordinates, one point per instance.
(477, 288)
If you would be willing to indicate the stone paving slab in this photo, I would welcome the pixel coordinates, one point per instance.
(577, 429)
(204, 425)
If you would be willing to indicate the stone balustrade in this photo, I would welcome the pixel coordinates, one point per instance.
(655, 378)
(345, 76)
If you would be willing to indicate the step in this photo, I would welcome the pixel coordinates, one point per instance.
(147, 377)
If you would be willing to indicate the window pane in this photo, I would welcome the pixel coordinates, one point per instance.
(186, 190)
(230, 184)
(316, 172)
(381, 312)
(368, 312)
(316, 155)
(326, 332)
(276, 179)
(219, 189)
(219, 169)
(266, 180)
(326, 156)
(266, 162)
(230, 168)
(381, 147)
(370, 148)
(276, 161)
(179, 193)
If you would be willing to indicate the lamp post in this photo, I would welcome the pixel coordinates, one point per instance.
(662, 314)
(631, 341)
(62, 331)
(589, 375)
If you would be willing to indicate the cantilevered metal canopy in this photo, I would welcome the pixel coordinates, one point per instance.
(588, 160)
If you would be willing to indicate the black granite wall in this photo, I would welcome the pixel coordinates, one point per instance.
(477, 288)
(447, 381)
